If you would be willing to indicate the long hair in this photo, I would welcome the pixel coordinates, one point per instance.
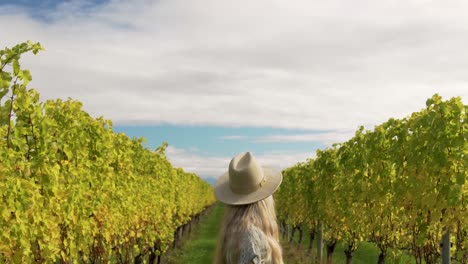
(237, 218)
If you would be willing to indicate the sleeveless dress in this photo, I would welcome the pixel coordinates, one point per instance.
(253, 248)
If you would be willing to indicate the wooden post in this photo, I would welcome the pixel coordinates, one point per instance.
(320, 243)
(446, 246)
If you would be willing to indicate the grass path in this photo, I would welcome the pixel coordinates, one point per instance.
(200, 249)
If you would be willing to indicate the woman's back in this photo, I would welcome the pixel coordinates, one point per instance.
(253, 247)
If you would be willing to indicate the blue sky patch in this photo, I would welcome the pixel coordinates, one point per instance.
(42, 10)
(220, 141)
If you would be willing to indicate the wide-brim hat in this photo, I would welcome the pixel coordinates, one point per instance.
(246, 181)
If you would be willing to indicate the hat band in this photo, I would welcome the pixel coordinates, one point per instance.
(244, 190)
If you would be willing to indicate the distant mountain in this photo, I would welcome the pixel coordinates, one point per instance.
(211, 181)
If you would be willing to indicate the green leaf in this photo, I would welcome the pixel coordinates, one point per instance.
(460, 178)
(4, 84)
(27, 77)
(6, 214)
(3, 92)
(16, 67)
(5, 76)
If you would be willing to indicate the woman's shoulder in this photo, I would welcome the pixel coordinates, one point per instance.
(253, 246)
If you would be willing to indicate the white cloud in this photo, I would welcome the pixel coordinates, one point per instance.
(213, 167)
(234, 137)
(330, 65)
(203, 166)
(284, 160)
(327, 138)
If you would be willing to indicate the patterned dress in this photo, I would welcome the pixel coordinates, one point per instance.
(253, 248)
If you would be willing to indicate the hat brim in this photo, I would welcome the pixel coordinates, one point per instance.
(225, 195)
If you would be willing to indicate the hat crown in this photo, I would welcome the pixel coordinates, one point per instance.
(245, 174)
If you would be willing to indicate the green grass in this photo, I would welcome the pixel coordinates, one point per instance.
(200, 249)
(366, 253)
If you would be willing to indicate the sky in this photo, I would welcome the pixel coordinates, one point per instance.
(214, 78)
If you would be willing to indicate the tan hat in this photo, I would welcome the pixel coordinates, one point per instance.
(246, 181)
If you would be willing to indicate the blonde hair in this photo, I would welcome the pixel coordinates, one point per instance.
(237, 218)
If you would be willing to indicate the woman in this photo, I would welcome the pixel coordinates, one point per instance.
(249, 232)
